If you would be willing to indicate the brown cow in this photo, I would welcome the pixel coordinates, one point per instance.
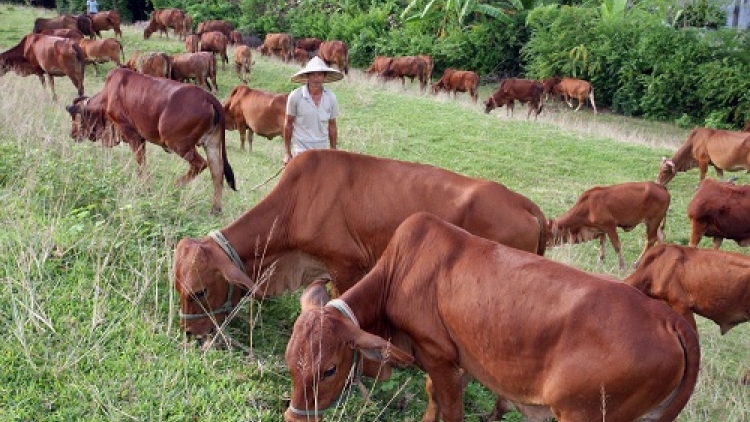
(407, 67)
(571, 88)
(378, 65)
(200, 67)
(512, 89)
(258, 111)
(106, 20)
(280, 45)
(192, 43)
(142, 108)
(65, 21)
(41, 55)
(335, 52)
(73, 34)
(311, 45)
(151, 63)
(721, 211)
(243, 62)
(85, 24)
(723, 149)
(235, 38)
(366, 199)
(222, 26)
(600, 210)
(712, 284)
(216, 43)
(101, 51)
(187, 24)
(458, 81)
(431, 293)
(163, 19)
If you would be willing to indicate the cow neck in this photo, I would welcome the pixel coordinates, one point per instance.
(683, 157)
(367, 299)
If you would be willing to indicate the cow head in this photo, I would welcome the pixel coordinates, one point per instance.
(89, 122)
(490, 104)
(150, 29)
(437, 87)
(323, 352)
(210, 286)
(667, 171)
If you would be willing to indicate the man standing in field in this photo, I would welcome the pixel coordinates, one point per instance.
(311, 110)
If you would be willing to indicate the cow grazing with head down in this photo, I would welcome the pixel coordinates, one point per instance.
(151, 63)
(142, 108)
(310, 45)
(378, 65)
(243, 62)
(280, 45)
(330, 216)
(65, 21)
(42, 55)
(199, 67)
(335, 53)
(216, 43)
(515, 89)
(458, 81)
(599, 211)
(102, 51)
(163, 19)
(256, 111)
(407, 67)
(723, 149)
(235, 38)
(721, 211)
(570, 88)
(106, 20)
(431, 292)
(712, 284)
(192, 43)
(222, 26)
(301, 56)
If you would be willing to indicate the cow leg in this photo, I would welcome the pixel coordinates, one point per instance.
(717, 242)
(580, 103)
(432, 413)
(51, 85)
(243, 134)
(697, 229)
(653, 234)
(602, 240)
(215, 159)
(196, 165)
(703, 167)
(138, 147)
(448, 383)
(567, 100)
(612, 234)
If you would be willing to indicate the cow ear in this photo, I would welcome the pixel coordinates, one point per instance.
(315, 295)
(377, 349)
(237, 277)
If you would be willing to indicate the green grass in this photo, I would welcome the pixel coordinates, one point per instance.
(86, 301)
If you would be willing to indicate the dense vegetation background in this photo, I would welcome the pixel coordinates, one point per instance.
(657, 59)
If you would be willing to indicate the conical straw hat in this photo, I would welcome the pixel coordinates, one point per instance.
(316, 64)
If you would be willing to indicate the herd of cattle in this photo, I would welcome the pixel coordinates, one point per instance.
(416, 256)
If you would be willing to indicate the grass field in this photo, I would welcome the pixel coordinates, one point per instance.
(86, 300)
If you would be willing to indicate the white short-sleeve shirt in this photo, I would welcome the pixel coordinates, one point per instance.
(310, 121)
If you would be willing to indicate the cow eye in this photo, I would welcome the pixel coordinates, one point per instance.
(328, 372)
(199, 295)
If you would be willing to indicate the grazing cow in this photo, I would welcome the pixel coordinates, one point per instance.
(216, 43)
(106, 20)
(712, 284)
(73, 34)
(301, 56)
(723, 149)
(431, 293)
(142, 108)
(235, 38)
(599, 211)
(151, 63)
(512, 89)
(222, 26)
(311, 45)
(721, 211)
(378, 65)
(335, 52)
(280, 45)
(458, 81)
(365, 199)
(243, 62)
(65, 21)
(41, 55)
(162, 20)
(407, 67)
(200, 67)
(258, 111)
(570, 88)
(101, 51)
(430, 65)
(192, 43)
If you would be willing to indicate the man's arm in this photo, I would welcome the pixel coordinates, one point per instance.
(288, 127)
(333, 133)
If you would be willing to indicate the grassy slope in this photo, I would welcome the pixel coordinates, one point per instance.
(86, 301)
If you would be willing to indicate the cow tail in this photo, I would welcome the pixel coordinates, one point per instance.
(219, 125)
(122, 52)
(688, 339)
